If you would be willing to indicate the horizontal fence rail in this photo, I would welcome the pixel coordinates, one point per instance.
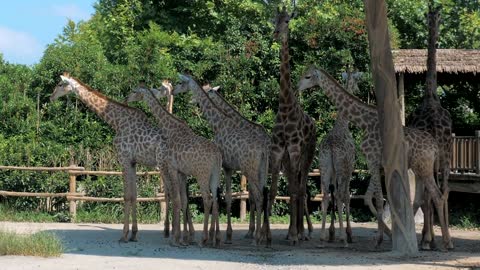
(73, 196)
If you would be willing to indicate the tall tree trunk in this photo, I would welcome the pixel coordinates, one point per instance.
(394, 156)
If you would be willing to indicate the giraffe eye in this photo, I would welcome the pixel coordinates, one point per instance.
(308, 77)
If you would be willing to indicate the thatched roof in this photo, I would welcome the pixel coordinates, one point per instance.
(448, 61)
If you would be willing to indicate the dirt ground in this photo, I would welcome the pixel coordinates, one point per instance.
(96, 246)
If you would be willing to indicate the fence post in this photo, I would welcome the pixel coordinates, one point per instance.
(163, 204)
(243, 200)
(477, 137)
(72, 191)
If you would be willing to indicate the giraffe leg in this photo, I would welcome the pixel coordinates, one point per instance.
(133, 199)
(325, 178)
(276, 160)
(177, 207)
(184, 203)
(446, 191)
(228, 198)
(167, 191)
(257, 210)
(129, 189)
(343, 234)
(166, 222)
(302, 206)
(188, 214)
(251, 223)
(439, 201)
(266, 218)
(214, 183)
(425, 243)
(126, 211)
(309, 221)
(348, 230)
(381, 227)
(207, 204)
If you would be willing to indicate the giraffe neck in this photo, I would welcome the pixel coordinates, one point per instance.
(217, 118)
(163, 117)
(112, 112)
(287, 97)
(431, 77)
(230, 110)
(352, 108)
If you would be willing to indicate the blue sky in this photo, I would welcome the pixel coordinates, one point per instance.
(27, 26)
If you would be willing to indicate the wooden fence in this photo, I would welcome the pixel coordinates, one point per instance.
(466, 154)
(73, 196)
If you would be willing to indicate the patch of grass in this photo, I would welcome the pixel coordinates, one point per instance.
(41, 244)
(10, 214)
(467, 222)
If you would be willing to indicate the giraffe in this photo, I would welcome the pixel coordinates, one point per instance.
(240, 150)
(257, 131)
(422, 148)
(430, 116)
(293, 138)
(136, 140)
(336, 161)
(190, 154)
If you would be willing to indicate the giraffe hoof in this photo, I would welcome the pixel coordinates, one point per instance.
(132, 239)
(294, 241)
(166, 233)
(249, 235)
(123, 240)
(349, 239)
(426, 246)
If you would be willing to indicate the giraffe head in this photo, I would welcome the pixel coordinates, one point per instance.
(351, 79)
(187, 83)
(282, 19)
(210, 90)
(64, 87)
(309, 79)
(142, 92)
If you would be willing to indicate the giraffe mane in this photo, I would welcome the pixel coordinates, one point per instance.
(162, 108)
(352, 96)
(97, 93)
(235, 111)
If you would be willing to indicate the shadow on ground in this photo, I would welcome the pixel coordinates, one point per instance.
(102, 240)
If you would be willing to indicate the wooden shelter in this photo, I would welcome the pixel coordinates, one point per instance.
(450, 63)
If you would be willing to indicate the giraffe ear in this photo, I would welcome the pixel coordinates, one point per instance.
(64, 78)
(216, 88)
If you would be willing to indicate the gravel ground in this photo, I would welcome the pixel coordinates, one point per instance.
(96, 246)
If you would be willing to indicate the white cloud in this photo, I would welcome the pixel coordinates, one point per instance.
(70, 11)
(19, 47)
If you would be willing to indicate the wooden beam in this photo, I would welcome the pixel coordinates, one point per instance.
(48, 169)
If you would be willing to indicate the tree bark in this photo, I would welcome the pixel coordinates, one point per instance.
(394, 155)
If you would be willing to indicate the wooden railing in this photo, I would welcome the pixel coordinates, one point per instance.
(73, 196)
(466, 154)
